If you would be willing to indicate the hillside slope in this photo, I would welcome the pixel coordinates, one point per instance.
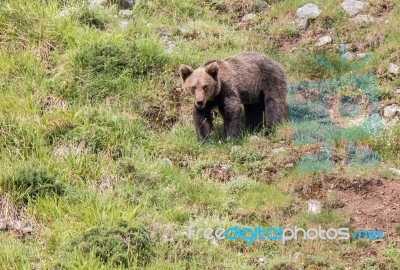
(101, 168)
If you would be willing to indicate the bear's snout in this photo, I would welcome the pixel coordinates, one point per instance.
(200, 104)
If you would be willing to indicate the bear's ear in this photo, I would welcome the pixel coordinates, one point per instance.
(185, 71)
(212, 70)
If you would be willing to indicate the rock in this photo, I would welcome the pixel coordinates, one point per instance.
(391, 111)
(297, 256)
(363, 18)
(248, 17)
(308, 11)
(15, 225)
(123, 24)
(3, 226)
(169, 44)
(302, 23)
(123, 4)
(361, 55)
(167, 161)
(395, 171)
(324, 40)
(27, 229)
(95, 3)
(289, 165)
(349, 56)
(352, 7)
(278, 150)
(125, 13)
(393, 69)
(397, 92)
(254, 138)
(314, 207)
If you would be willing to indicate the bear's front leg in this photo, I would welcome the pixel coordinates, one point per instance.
(203, 123)
(231, 115)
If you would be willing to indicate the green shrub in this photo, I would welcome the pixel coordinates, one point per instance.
(111, 58)
(31, 182)
(121, 245)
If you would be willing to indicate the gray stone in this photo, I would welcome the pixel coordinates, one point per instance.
(254, 138)
(314, 207)
(349, 56)
(289, 165)
(3, 226)
(261, 261)
(167, 161)
(394, 171)
(95, 3)
(302, 23)
(393, 68)
(361, 55)
(125, 13)
(397, 92)
(27, 229)
(278, 150)
(324, 40)
(248, 17)
(306, 12)
(391, 111)
(15, 225)
(362, 18)
(352, 7)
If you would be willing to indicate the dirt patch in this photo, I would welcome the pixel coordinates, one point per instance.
(13, 219)
(373, 204)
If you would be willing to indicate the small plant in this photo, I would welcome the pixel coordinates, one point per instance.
(121, 245)
(29, 183)
(92, 18)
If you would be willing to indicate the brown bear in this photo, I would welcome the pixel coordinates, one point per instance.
(249, 79)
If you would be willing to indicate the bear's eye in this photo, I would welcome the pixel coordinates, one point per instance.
(193, 89)
(205, 88)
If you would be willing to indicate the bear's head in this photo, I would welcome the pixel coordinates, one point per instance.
(203, 83)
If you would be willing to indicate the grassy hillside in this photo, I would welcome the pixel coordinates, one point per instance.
(101, 168)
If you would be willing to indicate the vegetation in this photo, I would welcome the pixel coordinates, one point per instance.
(97, 144)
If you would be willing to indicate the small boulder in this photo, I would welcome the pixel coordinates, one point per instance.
(391, 111)
(278, 150)
(349, 56)
(314, 207)
(352, 7)
(289, 165)
(393, 69)
(394, 171)
(95, 3)
(248, 17)
(324, 40)
(306, 12)
(126, 13)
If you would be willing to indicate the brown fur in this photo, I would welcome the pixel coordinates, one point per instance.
(249, 79)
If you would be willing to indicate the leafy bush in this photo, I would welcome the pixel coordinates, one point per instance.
(31, 182)
(121, 245)
(111, 58)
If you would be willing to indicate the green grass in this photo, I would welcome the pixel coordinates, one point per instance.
(97, 145)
